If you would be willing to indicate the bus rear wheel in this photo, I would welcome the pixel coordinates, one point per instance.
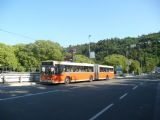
(107, 77)
(67, 80)
(91, 78)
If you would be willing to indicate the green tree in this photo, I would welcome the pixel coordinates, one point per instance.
(47, 50)
(150, 64)
(135, 67)
(31, 55)
(25, 57)
(83, 59)
(134, 48)
(116, 60)
(7, 56)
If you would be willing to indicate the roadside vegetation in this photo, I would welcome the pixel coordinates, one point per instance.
(140, 54)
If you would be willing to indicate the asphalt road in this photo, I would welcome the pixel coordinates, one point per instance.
(118, 99)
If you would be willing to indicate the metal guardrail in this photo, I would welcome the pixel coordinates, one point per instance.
(19, 77)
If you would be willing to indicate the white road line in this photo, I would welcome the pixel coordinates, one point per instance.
(76, 87)
(101, 112)
(157, 103)
(123, 96)
(27, 95)
(141, 83)
(134, 87)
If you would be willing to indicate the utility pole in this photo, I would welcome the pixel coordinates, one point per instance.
(89, 49)
(157, 42)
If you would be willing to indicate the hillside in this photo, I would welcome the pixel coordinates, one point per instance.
(144, 48)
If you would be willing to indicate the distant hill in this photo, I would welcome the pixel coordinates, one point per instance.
(139, 48)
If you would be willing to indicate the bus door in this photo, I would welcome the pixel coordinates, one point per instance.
(96, 71)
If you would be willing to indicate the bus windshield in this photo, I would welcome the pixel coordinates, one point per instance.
(51, 69)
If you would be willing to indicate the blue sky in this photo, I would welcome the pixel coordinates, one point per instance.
(69, 22)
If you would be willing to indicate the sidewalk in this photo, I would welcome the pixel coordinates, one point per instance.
(18, 84)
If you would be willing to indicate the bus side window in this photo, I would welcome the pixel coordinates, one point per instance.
(71, 69)
(78, 69)
(107, 69)
(90, 69)
(82, 69)
(101, 69)
(111, 70)
(62, 68)
(75, 69)
(86, 69)
(67, 69)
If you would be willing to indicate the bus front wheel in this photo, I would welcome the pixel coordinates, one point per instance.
(67, 80)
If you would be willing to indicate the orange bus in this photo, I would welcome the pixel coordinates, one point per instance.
(66, 72)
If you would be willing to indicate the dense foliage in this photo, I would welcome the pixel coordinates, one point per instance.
(83, 59)
(143, 52)
(28, 57)
(7, 57)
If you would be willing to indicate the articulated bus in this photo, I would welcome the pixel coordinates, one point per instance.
(66, 72)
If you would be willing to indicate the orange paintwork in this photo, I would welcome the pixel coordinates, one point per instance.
(74, 76)
(104, 75)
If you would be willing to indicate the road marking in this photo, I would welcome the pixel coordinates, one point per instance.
(76, 87)
(157, 104)
(123, 96)
(31, 94)
(101, 112)
(134, 87)
(141, 83)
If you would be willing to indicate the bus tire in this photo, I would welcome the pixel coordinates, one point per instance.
(107, 77)
(67, 80)
(91, 78)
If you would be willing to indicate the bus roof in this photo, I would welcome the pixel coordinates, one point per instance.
(105, 66)
(69, 63)
(75, 64)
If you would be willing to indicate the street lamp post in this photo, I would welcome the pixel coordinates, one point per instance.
(89, 48)
(157, 41)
